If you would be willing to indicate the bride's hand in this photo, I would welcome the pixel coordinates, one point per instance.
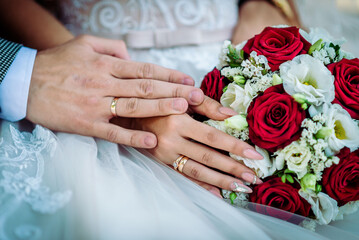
(73, 86)
(255, 15)
(182, 135)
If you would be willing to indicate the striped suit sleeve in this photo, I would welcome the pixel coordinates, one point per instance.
(8, 51)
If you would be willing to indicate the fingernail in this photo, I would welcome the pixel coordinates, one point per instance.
(179, 105)
(196, 96)
(188, 81)
(251, 178)
(252, 154)
(238, 187)
(150, 141)
(215, 193)
(227, 111)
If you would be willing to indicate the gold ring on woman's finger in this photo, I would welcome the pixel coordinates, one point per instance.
(113, 106)
(182, 163)
(177, 162)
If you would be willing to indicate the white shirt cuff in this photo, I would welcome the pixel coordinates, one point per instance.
(14, 89)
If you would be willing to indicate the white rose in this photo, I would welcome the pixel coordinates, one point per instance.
(324, 207)
(237, 98)
(296, 156)
(345, 132)
(263, 168)
(309, 77)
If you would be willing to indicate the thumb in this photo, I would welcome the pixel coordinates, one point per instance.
(115, 48)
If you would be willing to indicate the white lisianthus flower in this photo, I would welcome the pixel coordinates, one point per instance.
(296, 156)
(345, 132)
(349, 208)
(237, 98)
(315, 34)
(223, 55)
(309, 77)
(263, 168)
(324, 207)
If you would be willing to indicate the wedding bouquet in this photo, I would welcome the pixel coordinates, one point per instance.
(297, 96)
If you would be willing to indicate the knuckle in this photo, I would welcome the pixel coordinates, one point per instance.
(194, 173)
(101, 62)
(234, 170)
(177, 91)
(224, 183)
(146, 70)
(133, 140)
(112, 135)
(162, 106)
(172, 76)
(172, 122)
(207, 159)
(146, 88)
(131, 105)
(211, 136)
(234, 146)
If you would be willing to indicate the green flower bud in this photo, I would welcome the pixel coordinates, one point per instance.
(319, 188)
(276, 80)
(238, 122)
(232, 197)
(323, 133)
(304, 106)
(240, 80)
(316, 46)
(299, 98)
(309, 181)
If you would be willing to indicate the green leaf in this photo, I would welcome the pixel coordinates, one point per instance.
(284, 178)
(225, 89)
(289, 171)
(232, 197)
(290, 178)
(241, 54)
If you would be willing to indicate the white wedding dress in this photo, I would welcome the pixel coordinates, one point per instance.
(65, 186)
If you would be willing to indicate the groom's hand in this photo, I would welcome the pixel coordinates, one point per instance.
(73, 86)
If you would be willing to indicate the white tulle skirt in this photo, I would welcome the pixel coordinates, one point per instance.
(66, 186)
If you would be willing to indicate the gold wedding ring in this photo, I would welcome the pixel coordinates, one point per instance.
(179, 163)
(113, 106)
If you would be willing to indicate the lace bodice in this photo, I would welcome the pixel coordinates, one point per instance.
(115, 18)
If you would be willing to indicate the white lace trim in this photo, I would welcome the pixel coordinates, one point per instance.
(22, 166)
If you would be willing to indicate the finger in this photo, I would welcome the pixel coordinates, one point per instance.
(116, 48)
(204, 174)
(217, 139)
(210, 188)
(140, 108)
(136, 70)
(147, 88)
(214, 159)
(213, 109)
(133, 138)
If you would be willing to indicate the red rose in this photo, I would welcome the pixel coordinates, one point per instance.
(274, 193)
(341, 181)
(346, 73)
(278, 45)
(274, 119)
(213, 84)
